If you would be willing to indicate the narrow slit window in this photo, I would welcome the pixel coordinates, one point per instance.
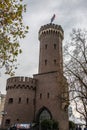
(54, 61)
(45, 62)
(48, 95)
(40, 95)
(45, 46)
(19, 101)
(27, 100)
(54, 46)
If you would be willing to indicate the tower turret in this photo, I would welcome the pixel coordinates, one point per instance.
(50, 58)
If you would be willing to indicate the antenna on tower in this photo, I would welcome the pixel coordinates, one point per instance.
(52, 19)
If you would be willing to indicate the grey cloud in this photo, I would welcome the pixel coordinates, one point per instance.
(69, 14)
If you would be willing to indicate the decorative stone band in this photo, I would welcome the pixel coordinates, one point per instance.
(21, 82)
(51, 29)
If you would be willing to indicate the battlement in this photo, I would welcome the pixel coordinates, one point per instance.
(51, 29)
(21, 82)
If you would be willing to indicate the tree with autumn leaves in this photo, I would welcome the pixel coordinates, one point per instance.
(11, 30)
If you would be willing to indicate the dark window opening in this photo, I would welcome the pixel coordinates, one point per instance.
(10, 100)
(48, 95)
(45, 46)
(54, 46)
(19, 101)
(40, 95)
(27, 86)
(7, 122)
(45, 62)
(55, 62)
(27, 100)
(17, 119)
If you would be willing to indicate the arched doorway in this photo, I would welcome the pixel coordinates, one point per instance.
(43, 114)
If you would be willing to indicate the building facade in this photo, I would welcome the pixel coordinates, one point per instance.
(41, 97)
(2, 102)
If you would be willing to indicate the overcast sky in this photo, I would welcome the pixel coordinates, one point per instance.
(69, 14)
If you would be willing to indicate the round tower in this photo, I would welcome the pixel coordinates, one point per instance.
(20, 101)
(50, 56)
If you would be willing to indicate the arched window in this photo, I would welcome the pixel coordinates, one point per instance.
(44, 115)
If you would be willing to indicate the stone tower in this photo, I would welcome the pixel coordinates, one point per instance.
(19, 104)
(50, 58)
(51, 82)
(40, 97)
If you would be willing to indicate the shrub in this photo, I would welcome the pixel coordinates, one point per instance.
(71, 125)
(49, 125)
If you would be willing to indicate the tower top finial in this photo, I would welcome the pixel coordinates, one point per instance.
(52, 19)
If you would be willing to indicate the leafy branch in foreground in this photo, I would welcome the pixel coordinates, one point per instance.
(11, 30)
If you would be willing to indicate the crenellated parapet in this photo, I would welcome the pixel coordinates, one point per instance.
(51, 29)
(21, 82)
